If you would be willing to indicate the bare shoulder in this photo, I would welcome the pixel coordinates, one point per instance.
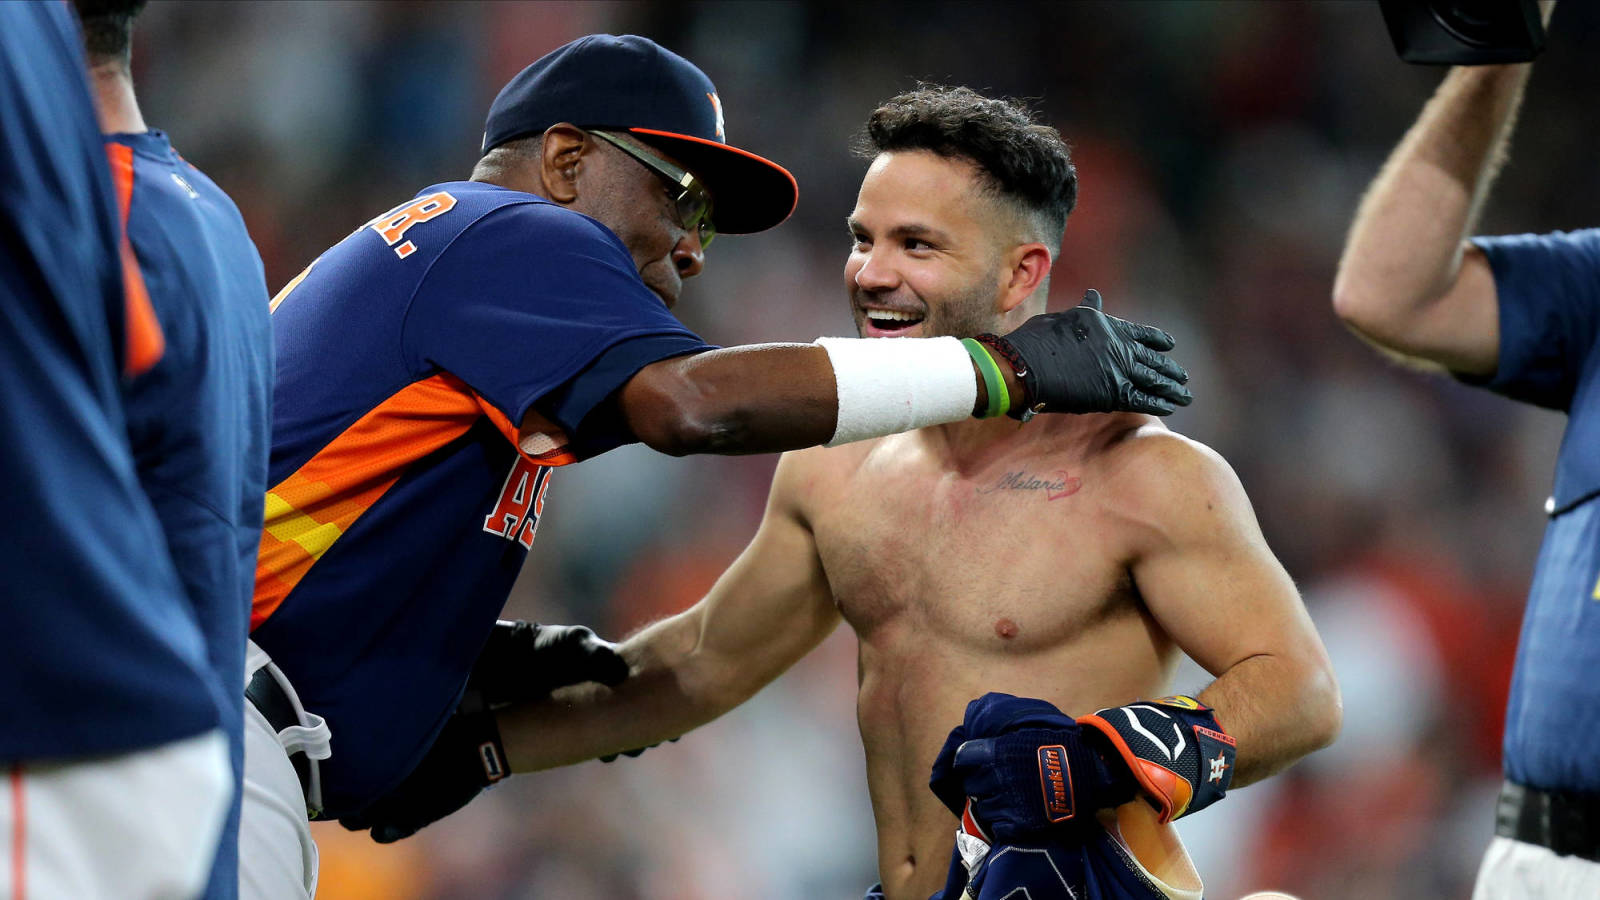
(1174, 486)
(805, 475)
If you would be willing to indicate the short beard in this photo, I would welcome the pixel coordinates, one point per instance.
(967, 312)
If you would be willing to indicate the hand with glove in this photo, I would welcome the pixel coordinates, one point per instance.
(1083, 361)
(1027, 768)
(525, 661)
(465, 759)
(521, 661)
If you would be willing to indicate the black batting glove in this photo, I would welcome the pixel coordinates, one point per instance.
(520, 662)
(465, 758)
(526, 661)
(1084, 361)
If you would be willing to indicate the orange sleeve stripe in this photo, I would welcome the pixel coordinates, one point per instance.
(144, 343)
(501, 421)
(121, 159)
(312, 508)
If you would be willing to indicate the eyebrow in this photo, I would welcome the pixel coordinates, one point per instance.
(907, 230)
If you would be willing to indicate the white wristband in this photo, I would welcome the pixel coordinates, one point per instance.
(890, 385)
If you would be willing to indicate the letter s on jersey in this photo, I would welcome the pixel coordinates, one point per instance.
(516, 514)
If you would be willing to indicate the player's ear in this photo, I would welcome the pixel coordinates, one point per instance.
(1027, 267)
(560, 159)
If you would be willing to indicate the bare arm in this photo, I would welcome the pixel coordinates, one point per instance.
(1208, 577)
(770, 397)
(761, 398)
(1408, 280)
(768, 610)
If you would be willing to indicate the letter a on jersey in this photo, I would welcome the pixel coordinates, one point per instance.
(516, 514)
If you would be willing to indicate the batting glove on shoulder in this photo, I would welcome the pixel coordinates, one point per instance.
(1083, 361)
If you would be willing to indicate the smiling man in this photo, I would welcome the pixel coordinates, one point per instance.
(1136, 544)
(436, 364)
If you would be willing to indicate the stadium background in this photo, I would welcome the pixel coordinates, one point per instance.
(1221, 150)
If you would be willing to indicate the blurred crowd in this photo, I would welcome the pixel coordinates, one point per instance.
(1221, 149)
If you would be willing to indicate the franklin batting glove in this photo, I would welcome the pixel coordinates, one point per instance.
(1027, 768)
(1175, 747)
(1084, 361)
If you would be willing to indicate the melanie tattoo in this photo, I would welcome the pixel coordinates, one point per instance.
(1055, 485)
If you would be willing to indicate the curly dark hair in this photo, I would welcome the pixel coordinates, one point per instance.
(108, 27)
(1020, 159)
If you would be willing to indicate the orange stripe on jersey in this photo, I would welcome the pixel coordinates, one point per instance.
(121, 158)
(312, 508)
(308, 511)
(144, 341)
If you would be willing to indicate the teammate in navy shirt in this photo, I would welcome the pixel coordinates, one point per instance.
(435, 365)
(199, 418)
(118, 782)
(392, 430)
(1520, 316)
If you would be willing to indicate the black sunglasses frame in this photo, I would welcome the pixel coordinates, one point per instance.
(689, 195)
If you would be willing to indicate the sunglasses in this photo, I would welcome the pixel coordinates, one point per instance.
(692, 199)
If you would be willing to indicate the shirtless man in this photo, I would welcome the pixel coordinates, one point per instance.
(1069, 558)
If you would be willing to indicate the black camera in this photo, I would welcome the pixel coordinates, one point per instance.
(1464, 32)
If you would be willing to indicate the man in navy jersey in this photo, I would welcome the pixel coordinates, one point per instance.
(1519, 315)
(118, 780)
(198, 419)
(435, 366)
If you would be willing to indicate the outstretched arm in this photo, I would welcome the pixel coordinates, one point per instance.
(1208, 577)
(1408, 280)
(772, 397)
(768, 610)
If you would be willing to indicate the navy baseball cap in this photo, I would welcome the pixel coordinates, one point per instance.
(629, 83)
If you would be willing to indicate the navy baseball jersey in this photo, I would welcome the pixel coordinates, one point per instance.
(198, 419)
(432, 368)
(1549, 294)
(100, 652)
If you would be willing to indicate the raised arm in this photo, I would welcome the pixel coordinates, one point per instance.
(767, 611)
(1408, 280)
(772, 397)
(1209, 579)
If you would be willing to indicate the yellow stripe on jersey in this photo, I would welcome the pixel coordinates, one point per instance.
(289, 524)
(311, 509)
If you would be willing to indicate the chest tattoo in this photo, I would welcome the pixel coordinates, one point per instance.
(1054, 485)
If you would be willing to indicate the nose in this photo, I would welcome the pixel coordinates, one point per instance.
(872, 273)
(689, 255)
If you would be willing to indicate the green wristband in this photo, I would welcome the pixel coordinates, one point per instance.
(993, 382)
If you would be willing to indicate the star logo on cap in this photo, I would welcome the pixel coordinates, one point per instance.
(716, 104)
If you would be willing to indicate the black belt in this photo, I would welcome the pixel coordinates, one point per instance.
(268, 697)
(1566, 822)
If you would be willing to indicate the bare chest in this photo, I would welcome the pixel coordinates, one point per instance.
(1016, 555)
